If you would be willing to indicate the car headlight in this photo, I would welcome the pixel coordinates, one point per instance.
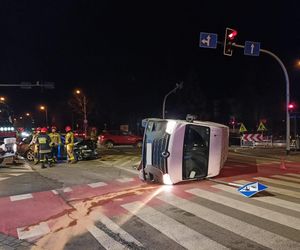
(5, 129)
(1, 129)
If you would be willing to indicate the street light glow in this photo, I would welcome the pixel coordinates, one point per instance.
(42, 108)
(78, 92)
(2, 98)
(27, 114)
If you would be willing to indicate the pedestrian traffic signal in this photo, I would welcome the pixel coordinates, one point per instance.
(230, 36)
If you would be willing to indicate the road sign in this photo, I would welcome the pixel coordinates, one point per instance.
(251, 48)
(261, 127)
(243, 128)
(251, 189)
(208, 40)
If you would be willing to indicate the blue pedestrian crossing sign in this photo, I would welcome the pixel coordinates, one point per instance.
(252, 188)
(251, 48)
(208, 40)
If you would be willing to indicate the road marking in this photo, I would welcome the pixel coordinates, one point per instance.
(277, 190)
(286, 178)
(54, 192)
(4, 178)
(266, 199)
(123, 180)
(176, 231)
(97, 184)
(264, 213)
(284, 183)
(236, 226)
(16, 174)
(21, 197)
(67, 190)
(135, 172)
(105, 240)
(33, 231)
(295, 175)
(115, 228)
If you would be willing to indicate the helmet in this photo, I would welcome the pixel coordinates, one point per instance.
(53, 127)
(44, 130)
(68, 128)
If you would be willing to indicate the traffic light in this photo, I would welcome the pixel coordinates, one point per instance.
(230, 36)
(291, 107)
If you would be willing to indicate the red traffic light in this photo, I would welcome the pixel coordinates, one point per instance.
(232, 34)
(291, 106)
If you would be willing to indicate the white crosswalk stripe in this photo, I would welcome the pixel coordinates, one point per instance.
(248, 208)
(266, 199)
(286, 178)
(170, 227)
(246, 230)
(292, 174)
(115, 228)
(104, 239)
(274, 181)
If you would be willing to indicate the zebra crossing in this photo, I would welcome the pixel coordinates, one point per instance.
(204, 215)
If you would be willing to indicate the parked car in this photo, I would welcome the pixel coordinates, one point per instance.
(117, 137)
(83, 149)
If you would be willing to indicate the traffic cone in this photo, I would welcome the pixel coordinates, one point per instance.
(282, 164)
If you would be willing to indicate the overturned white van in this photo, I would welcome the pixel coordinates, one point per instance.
(178, 150)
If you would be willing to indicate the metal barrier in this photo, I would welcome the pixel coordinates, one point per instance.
(256, 140)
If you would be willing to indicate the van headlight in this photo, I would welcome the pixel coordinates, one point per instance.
(15, 147)
(167, 179)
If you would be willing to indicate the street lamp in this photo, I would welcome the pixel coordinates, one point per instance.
(85, 121)
(178, 86)
(27, 114)
(2, 99)
(44, 108)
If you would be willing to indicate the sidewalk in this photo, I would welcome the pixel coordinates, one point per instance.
(11, 243)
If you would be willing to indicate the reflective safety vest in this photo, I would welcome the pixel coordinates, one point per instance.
(69, 138)
(55, 138)
(43, 140)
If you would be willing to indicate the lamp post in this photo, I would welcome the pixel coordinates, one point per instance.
(85, 121)
(178, 86)
(44, 108)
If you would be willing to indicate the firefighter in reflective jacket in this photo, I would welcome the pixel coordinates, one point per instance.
(35, 145)
(55, 142)
(43, 141)
(69, 143)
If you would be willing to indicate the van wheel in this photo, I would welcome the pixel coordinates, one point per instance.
(109, 144)
(139, 144)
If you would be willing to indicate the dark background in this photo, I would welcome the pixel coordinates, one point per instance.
(126, 55)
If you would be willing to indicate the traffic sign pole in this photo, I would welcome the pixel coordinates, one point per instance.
(288, 132)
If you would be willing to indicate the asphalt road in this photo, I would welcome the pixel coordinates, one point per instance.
(101, 204)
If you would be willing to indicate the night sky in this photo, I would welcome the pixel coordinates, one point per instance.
(126, 55)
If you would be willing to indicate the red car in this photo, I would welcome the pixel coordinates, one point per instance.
(117, 137)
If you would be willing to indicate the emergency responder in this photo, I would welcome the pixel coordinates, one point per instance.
(43, 141)
(69, 143)
(55, 143)
(35, 145)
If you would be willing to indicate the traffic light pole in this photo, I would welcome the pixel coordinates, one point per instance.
(288, 129)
